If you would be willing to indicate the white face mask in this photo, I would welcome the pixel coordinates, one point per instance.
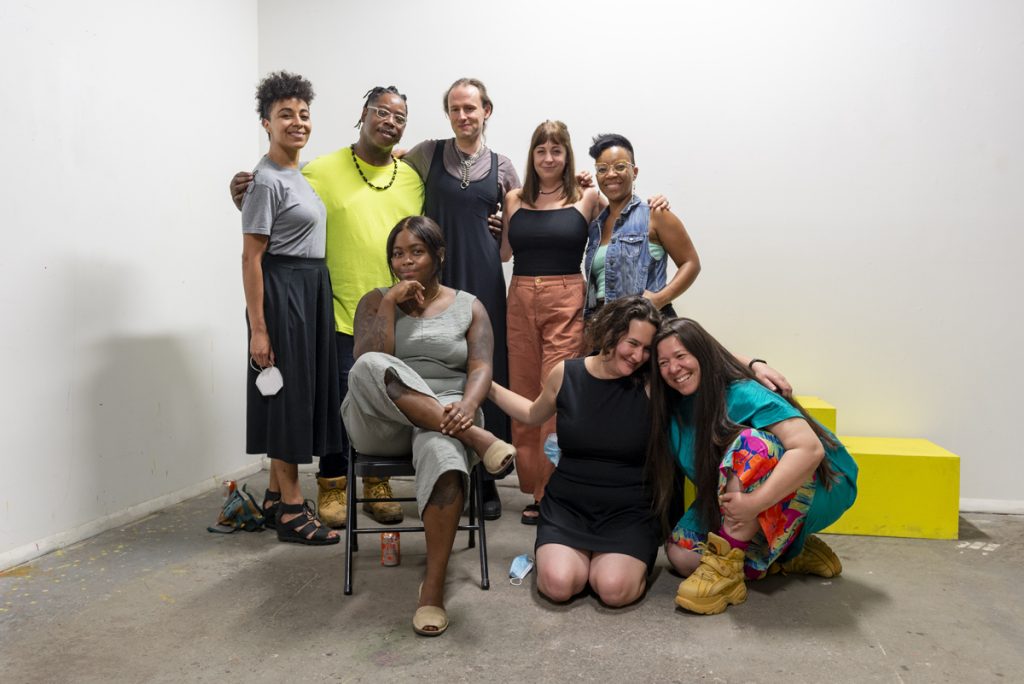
(269, 382)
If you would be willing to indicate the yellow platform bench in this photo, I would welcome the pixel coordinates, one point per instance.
(820, 410)
(905, 488)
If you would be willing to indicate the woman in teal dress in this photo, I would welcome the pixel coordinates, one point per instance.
(767, 475)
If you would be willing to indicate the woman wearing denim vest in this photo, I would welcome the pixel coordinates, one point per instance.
(627, 243)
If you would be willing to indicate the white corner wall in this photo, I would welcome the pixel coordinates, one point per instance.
(850, 172)
(123, 344)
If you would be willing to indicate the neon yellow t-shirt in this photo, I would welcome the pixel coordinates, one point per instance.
(359, 219)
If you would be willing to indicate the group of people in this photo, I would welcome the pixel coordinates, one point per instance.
(374, 288)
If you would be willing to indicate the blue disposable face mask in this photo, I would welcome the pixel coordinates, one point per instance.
(521, 567)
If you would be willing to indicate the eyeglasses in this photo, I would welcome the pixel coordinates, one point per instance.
(617, 167)
(385, 114)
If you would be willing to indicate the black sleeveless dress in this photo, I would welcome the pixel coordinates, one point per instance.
(472, 259)
(596, 499)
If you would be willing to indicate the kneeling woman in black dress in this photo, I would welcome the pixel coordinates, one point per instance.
(596, 521)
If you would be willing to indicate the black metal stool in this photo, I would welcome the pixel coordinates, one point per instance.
(364, 465)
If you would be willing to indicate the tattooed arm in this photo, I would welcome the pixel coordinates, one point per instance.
(480, 340)
(374, 326)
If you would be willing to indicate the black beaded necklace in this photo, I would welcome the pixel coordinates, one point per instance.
(394, 171)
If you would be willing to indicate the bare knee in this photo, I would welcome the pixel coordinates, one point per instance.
(559, 583)
(447, 490)
(618, 589)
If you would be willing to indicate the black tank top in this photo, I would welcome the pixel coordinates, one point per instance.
(547, 242)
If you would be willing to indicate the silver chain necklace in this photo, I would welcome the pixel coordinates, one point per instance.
(466, 162)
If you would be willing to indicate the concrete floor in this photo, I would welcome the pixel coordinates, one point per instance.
(164, 601)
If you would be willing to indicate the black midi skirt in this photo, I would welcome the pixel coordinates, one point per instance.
(304, 418)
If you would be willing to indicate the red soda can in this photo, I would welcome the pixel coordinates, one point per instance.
(390, 548)
(227, 487)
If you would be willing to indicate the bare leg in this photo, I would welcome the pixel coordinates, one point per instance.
(440, 520)
(287, 476)
(617, 578)
(562, 571)
(740, 531)
(683, 560)
(426, 412)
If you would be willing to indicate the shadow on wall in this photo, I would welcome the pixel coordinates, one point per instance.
(147, 410)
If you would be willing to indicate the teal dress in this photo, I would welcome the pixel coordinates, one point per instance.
(815, 507)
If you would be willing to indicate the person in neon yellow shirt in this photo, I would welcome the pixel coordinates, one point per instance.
(366, 192)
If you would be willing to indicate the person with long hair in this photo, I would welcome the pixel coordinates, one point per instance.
(768, 476)
(628, 242)
(422, 370)
(288, 311)
(546, 232)
(596, 521)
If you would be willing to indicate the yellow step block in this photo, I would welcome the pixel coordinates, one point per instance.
(820, 410)
(905, 488)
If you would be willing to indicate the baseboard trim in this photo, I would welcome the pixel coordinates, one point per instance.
(1001, 506)
(23, 554)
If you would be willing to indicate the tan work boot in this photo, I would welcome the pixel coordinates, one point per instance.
(380, 488)
(717, 582)
(816, 558)
(332, 500)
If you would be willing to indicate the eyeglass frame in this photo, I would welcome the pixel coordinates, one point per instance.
(609, 167)
(388, 114)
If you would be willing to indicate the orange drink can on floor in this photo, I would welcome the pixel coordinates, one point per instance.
(390, 548)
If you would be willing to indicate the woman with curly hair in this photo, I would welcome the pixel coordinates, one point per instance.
(768, 475)
(289, 314)
(596, 523)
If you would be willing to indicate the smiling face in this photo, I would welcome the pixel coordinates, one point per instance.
(632, 350)
(289, 124)
(549, 161)
(616, 182)
(678, 367)
(466, 112)
(379, 127)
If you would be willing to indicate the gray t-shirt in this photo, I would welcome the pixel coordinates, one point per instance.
(281, 203)
(420, 157)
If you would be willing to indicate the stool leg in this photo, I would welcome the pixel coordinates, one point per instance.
(350, 537)
(473, 486)
(485, 580)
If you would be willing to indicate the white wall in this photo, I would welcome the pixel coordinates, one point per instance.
(850, 172)
(123, 344)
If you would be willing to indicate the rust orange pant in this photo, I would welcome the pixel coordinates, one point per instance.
(545, 326)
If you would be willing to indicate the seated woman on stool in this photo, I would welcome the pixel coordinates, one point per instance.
(423, 367)
(596, 522)
(768, 476)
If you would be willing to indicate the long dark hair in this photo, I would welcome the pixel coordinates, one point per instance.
(714, 431)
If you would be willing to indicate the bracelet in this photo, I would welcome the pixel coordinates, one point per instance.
(753, 361)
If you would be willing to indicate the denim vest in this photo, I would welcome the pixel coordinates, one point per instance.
(629, 268)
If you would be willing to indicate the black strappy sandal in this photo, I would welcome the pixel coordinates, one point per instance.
(304, 528)
(270, 512)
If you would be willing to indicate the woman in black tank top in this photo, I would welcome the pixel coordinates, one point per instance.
(546, 224)
(597, 524)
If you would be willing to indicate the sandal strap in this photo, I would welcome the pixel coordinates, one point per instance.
(307, 526)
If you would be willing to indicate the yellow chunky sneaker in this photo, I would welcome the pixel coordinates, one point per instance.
(332, 501)
(816, 558)
(380, 488)
(717, 582)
